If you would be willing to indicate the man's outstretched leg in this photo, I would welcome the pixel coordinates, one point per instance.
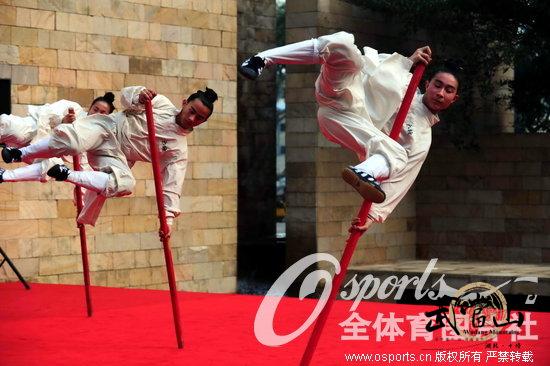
(92, 180)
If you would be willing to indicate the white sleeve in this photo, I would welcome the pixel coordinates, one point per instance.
(173, 175)
(129, 98)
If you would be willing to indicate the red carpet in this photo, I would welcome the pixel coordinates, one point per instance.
(47, 326)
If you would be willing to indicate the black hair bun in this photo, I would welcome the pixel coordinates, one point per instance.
(109, 97)
(210, 95)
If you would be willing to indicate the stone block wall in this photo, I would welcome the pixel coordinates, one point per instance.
(77, 50)
(320, 204)
(487, 205)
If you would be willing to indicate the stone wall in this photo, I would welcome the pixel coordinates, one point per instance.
(320, 205)
(54, 49)
(487, 205)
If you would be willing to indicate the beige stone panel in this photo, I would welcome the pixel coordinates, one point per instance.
(179, 68)
(116, 207)
(211, 38)
(226, 23)
(8, 15)
(27, 75)
(138, 30)
(25, 3)
(62, 40)
(128, 46)
(230, 203)
(143, 206)
(9, 54)
(222, 186)
(38, 56)
(98, 43)
(230, 7)
(123, 260)
(166, 84)
(98, 62)
(201, 20)
(17, 229)
(207, 170)
(118, 83)
(100, 80)
(119, 242)
(43, 94)
(63, 227)
(155, 31)
(202, 204)
(80, 23)
(192, 52)
(6, 193)
(24, 36)
(227, 55)
(229, 40)
(9, 210)
(203, 70)
(101, 261)
(166, 16)
(23, 17)
(115, 27)
(28, 267)
(140, 80)
(82, 79)
(66, 209)
(142, 223)
(5, 32)
(80, 43)
(149, 66)
(62, 21)
(42, 19)
(171, 33)
(37, 209)
(60, 264)
(63, 77)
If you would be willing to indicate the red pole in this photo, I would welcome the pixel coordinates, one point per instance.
(164, 229)
(351, 243)
(83, 241)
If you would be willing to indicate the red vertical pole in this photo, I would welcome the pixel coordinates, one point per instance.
(351, 243)
(164, 229)
(83, 240)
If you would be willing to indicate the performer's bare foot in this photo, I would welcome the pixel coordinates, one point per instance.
(365, 184)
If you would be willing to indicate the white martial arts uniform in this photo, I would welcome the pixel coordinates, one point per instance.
(18, 131)
(114, 142)
(358, 96)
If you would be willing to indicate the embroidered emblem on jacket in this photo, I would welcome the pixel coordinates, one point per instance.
(164, 147)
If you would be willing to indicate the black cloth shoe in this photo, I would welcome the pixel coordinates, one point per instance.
(2, 174)
(252, 67)
(365, 184)
(59, 171)
(11, 154)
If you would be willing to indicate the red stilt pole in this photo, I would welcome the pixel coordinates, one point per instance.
(351, 243)
(164, 229)
(83, 241)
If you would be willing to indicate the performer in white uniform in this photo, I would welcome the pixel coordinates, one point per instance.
(41, 120)
(114, 142)
(358, 96)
